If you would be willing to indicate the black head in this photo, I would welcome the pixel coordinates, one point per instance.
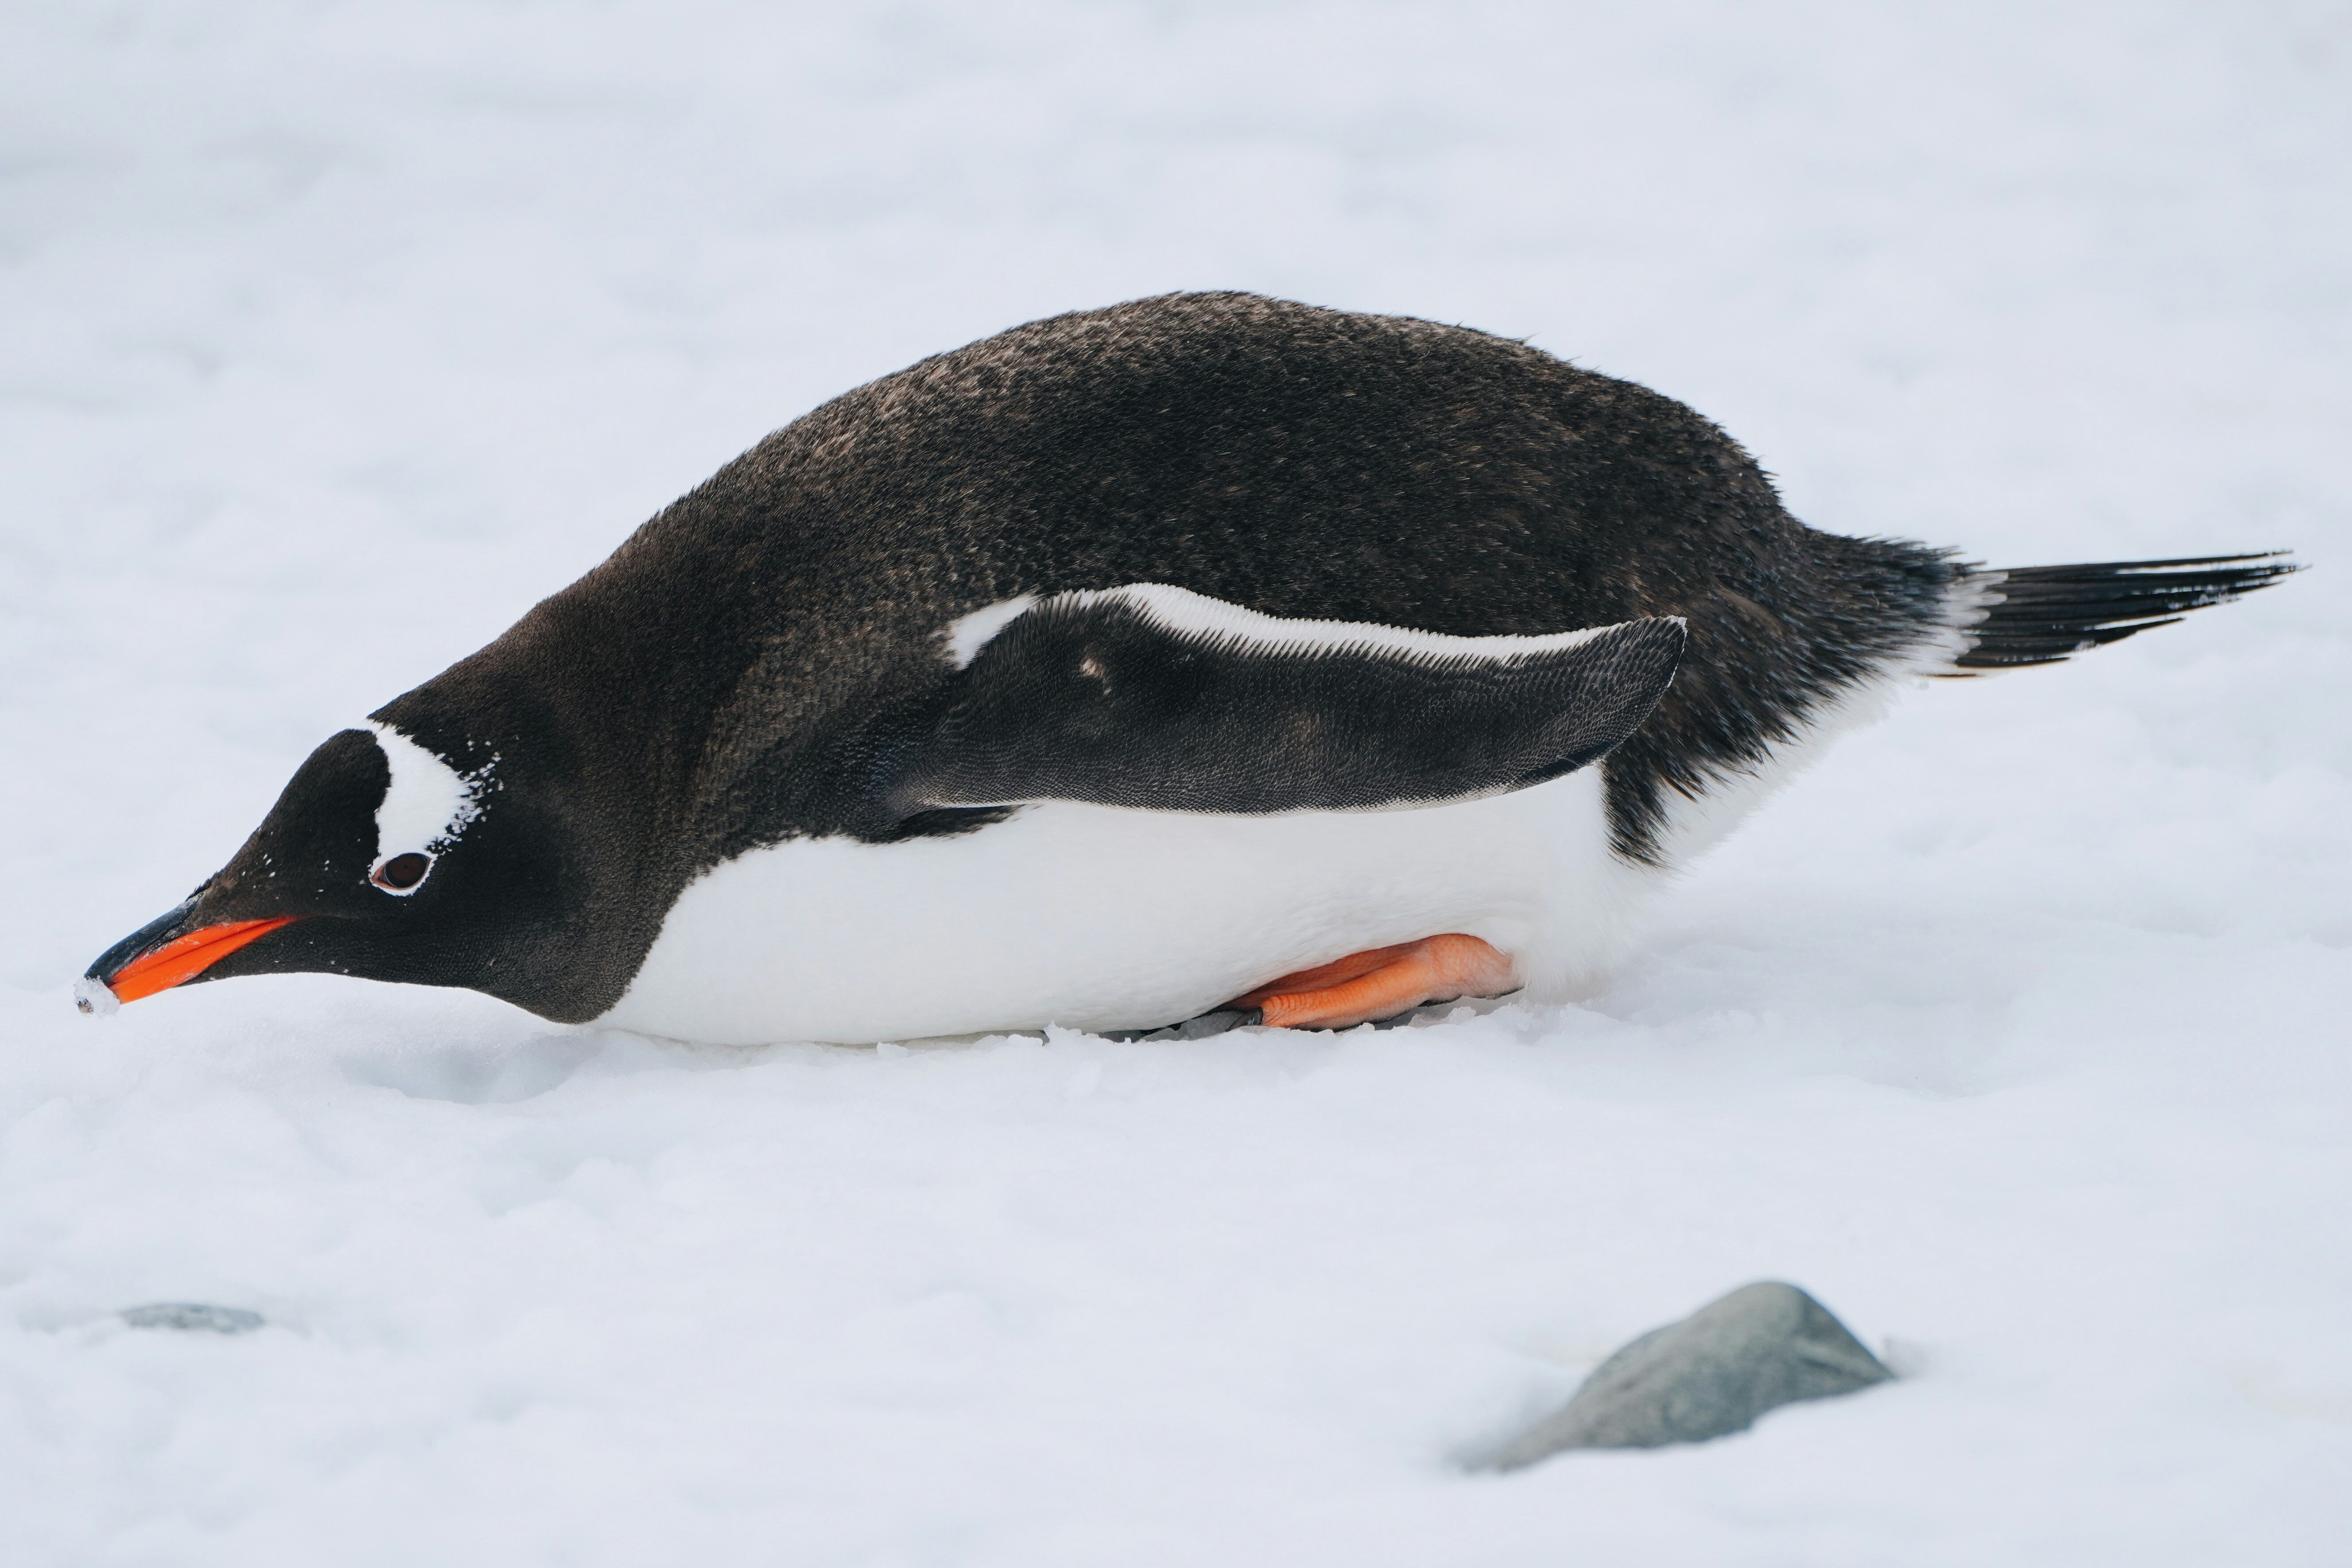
(386, 860)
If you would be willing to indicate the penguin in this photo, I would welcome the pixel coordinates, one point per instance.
(1204, 660)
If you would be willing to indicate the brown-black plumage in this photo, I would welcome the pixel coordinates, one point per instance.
(761, 661)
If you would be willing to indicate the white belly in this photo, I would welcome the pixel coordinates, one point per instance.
(1101, 918)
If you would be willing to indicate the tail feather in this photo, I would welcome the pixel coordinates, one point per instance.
(2040, 614)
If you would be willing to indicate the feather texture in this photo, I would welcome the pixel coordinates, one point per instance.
(2040, 614)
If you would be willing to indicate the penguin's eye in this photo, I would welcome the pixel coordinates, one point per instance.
(402, 872)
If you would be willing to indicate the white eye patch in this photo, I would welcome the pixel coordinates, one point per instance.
(426, 806)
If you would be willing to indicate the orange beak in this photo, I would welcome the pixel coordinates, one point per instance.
(184, 958)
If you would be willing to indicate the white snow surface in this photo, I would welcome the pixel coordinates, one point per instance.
(336, 335)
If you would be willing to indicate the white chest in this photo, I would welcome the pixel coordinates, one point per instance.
(1101, 918)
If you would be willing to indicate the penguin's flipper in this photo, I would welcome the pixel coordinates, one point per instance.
(1157, 698)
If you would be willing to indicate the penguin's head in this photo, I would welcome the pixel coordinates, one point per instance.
(383, 859)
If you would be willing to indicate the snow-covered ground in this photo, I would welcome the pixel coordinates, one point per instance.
(335, 335)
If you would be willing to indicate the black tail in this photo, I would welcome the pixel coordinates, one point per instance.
(2042, 613)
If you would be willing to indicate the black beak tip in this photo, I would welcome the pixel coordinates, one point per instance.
(93, 993)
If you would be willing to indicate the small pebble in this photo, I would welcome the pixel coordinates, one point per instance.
(193, 1317)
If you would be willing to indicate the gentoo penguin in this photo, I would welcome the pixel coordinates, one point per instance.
(1209, 656)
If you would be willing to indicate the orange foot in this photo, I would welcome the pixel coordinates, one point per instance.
(1382, 983)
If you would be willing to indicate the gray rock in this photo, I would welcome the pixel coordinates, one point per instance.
(1763, 1346)
(197, 1317)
